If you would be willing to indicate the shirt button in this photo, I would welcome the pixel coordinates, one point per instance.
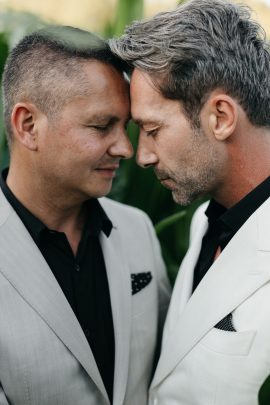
(77, 267)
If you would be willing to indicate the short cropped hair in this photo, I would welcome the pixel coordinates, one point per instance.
(200, 46)
(45, 68)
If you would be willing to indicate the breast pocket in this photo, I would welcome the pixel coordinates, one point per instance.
(145, 301)
(230, 343)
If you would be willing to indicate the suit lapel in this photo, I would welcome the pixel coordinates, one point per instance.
(184, 281)
(120, 293)
(237, 273)
(26, 269)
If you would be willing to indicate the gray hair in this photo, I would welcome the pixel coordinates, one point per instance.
(46, 68)
(200, 46)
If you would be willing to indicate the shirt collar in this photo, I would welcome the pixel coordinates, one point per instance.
(97, 220)
(237, 215)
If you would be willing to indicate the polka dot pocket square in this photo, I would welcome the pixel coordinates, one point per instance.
(139, 281)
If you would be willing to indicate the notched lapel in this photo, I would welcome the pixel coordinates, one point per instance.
(237, 273)
(120, 292)
(26, 269)
(184, 282)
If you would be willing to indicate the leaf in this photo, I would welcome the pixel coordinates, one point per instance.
(3, 51)
(264, 393)
(169, 221)
(126, 12)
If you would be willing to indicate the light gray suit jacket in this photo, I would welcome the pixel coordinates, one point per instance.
(45, 358)
(203, 365)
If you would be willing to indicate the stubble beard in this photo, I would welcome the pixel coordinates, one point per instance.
(195, 181)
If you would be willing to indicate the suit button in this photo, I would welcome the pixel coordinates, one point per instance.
(77, 267)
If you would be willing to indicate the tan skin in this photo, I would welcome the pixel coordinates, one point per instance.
(226, 158)
(56, 165)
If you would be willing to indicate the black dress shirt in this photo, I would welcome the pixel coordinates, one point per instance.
(223, 225)
(82, 278)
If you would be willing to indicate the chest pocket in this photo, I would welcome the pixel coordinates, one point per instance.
(229, 343)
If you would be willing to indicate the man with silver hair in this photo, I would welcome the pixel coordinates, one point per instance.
(200, 93)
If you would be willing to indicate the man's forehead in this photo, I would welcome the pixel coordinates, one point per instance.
(145, 96)
(96, 67)
(141, 78)
(96, 79)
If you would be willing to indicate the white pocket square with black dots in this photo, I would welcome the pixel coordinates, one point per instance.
(139, 281)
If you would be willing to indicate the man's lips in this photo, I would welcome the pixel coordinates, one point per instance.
(112, 167)
(167, 182)
(107, 171)
(162, 178)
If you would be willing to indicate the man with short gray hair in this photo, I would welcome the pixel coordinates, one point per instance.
(200, 93)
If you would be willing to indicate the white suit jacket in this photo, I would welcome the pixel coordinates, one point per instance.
(45, 358)
(202, 365)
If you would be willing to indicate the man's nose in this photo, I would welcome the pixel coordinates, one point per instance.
(122, 147)
(146, 155)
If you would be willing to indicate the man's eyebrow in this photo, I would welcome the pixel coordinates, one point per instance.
(146, 121)
(105, 118)
(100, 117)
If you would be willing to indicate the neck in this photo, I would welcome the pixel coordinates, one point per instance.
(237, 190)
(248, 166)
(49, 205)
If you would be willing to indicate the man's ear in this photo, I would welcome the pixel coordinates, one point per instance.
(222, 116)
(24, 121)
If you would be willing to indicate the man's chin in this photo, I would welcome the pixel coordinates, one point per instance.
(182, 199)
(98, 193)
(178, 196)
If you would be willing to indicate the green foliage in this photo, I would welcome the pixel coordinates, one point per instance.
(264, 393)
(172, 219)
(126, 11)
